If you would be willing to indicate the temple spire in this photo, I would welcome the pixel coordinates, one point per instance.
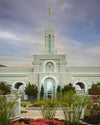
(49, 18)
(49, 40)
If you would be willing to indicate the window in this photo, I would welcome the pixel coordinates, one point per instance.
(49, 67)
(49, 44)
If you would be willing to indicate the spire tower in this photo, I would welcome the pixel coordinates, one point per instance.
(49, 40)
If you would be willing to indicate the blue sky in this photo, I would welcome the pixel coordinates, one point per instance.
(76, 24)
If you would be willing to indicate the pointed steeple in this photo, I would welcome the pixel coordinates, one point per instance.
(49, 40)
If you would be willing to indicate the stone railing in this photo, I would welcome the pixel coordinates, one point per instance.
(80, 91)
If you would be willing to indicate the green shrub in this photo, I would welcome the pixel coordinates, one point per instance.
(24, 104)
(38, 103)
(5, 88)
(24, 111)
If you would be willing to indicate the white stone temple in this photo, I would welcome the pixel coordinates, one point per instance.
(50, 70)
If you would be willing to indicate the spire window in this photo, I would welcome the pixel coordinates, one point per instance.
(49, 44)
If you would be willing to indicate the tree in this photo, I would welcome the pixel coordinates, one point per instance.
(58, 89)
(95, 89)
(68, 88)
(59, 93)
(5, 88)
(31, 91)
(42, 92)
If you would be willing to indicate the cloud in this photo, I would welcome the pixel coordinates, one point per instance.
(77, 53)
(8, 35)
(65, 6)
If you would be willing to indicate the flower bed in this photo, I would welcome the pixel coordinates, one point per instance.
(40, 122)
(95, 119)
(37, 122)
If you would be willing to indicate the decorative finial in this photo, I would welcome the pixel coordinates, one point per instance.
(49, 17)
(49, 10)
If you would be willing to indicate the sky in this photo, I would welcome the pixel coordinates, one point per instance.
(76, 24)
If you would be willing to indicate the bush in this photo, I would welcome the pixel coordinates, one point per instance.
(95, 89)
(24, 104)
(67, 88)
(38, 103)
(24, 111)
(4, 88)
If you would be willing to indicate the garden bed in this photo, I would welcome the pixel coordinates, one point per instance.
(40, 122)
(95, 119)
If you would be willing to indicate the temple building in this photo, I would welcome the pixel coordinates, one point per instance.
(50, 70)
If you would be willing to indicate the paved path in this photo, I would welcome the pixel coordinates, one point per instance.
(37, 114)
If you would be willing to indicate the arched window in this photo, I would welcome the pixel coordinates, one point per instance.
(49, 44)
(81, 85)
(80, 88)
(49, 67)
(19, 86)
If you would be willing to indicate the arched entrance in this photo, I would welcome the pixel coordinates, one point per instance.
(49, 88)
(20, 87)
(80, 88)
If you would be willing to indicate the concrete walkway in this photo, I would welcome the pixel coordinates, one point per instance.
(37, 114)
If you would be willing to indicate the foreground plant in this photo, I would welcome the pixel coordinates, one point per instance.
(73, 105)
(49, 109)
(6, 109)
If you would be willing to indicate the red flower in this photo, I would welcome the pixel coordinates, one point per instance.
(39, 122)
